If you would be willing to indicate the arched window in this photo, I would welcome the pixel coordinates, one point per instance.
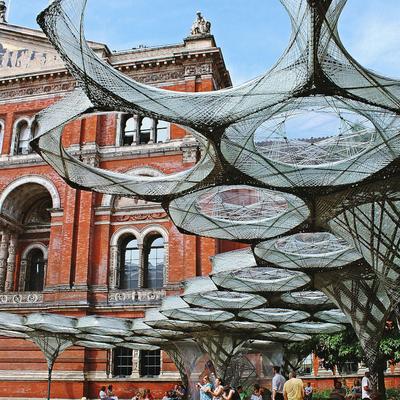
(154, 255)
(129, 127)
(145, 130)
(22, 137)
(1, 135)
(129, 263)
(34, 281)
(34, 129)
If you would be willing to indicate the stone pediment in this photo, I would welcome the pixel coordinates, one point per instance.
(25, 51)
(16, 59)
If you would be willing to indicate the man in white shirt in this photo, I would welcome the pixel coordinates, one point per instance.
(277, 384)
(366, 387)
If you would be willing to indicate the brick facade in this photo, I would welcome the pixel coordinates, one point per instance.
(77, 232)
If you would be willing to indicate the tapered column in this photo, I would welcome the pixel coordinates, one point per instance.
(153, 131)
(136, 137)
(4, 241)
(12, 247)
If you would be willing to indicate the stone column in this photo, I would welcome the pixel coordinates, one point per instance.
(135, 364)
(138, 123)
(12, 247)
(153, 132)
(5, 238)
(113, 277)
(141, 276)
(22, 275)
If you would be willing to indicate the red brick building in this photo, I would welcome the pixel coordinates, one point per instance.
(79, 253)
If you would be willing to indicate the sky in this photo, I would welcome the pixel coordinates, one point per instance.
(251, 33)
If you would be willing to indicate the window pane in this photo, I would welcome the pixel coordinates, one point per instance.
(129, 131)
(34, 281)
(162, 131)
(150, 363)
(145, 130)
(154, 267)
(129, 264)
(23, 137)
(122, 361)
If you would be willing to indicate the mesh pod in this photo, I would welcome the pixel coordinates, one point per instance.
(80, 175)
(231, 260)
(13, 322)
(261, 280)
(155, 319)
(202, 292)
(238, 212)
(335, 316)
(313, 327)
(104, 326)
(308, 299)
(363, 141)
(52, 323)
(306, 251)
(274, 315)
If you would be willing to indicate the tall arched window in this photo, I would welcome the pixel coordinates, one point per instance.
(154, 256)
(129, 263)
(34, 281)
(22, 137)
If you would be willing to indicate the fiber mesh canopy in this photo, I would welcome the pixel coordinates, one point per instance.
(262, 175)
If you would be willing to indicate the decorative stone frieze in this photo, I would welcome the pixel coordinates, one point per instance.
(136, 296)
(21, 298)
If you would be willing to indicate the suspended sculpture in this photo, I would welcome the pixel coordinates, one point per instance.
(315, 206)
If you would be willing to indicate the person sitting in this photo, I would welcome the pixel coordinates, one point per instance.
(308, 391)
(103, 394)
(356, 390)
(110, 393)
(339, 392)
(180, 391)
(167, 396)
(257, 393)
(148, 395)
(230, 393)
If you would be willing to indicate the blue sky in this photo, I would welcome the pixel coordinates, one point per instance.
(251, 33)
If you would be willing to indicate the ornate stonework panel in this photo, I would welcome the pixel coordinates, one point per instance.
(21, 298)
(136, 296)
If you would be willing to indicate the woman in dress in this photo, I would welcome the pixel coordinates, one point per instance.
(218, 389)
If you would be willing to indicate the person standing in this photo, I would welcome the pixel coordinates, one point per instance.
(277, 384)
(205, 388)
(366, 386)
(293, 388)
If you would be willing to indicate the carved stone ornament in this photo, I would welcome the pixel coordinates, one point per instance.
(201, 26)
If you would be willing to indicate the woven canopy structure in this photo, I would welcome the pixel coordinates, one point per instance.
(321, 215)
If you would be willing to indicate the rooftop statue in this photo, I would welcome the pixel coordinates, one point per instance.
(3, 11)
(201, 26)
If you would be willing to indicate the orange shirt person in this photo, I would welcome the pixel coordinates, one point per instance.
(293, 389)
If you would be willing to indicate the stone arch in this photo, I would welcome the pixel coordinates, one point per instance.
(31, 179)
(37, 245)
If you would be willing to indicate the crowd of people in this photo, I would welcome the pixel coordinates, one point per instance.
(281, 389)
